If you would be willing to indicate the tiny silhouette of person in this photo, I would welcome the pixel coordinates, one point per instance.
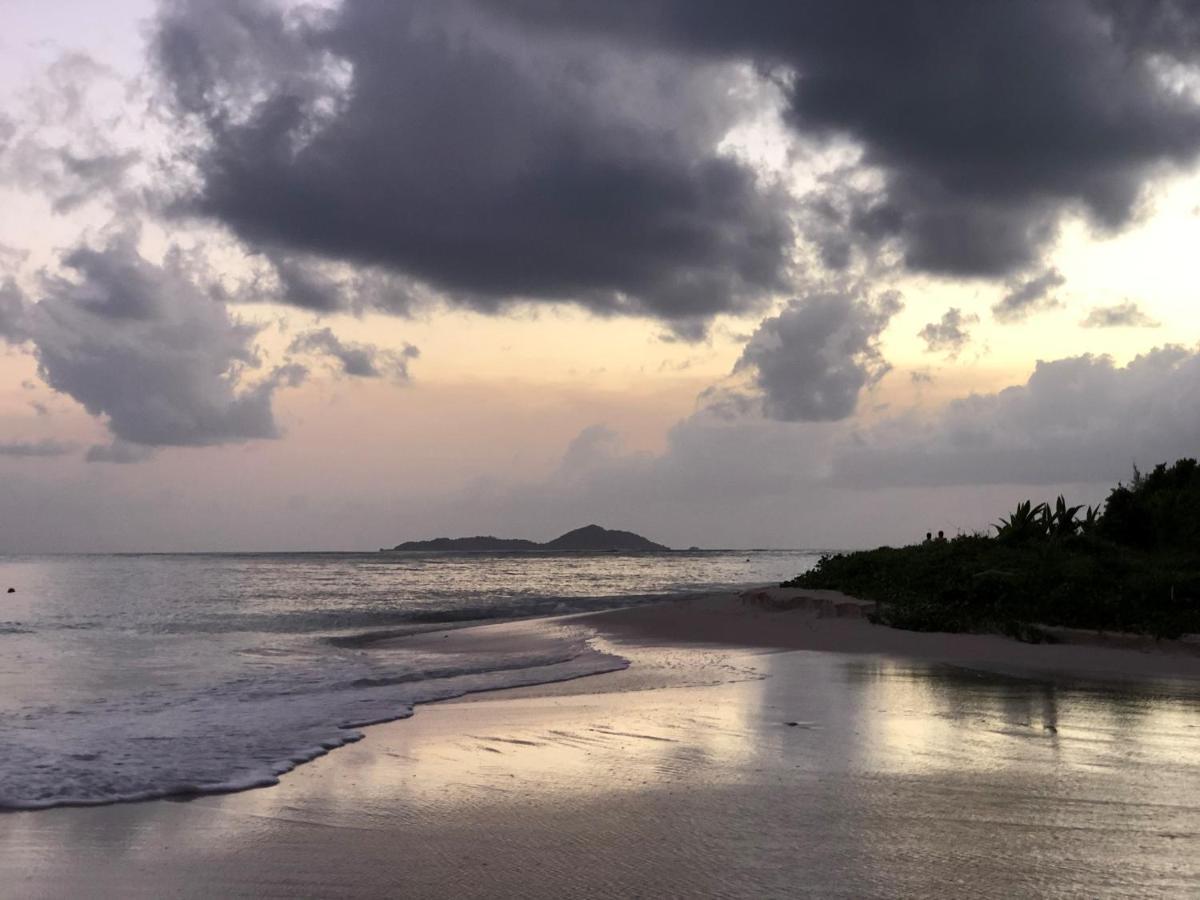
(928, 536)
(941, 535)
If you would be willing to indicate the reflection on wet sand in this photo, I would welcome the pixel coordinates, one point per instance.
(697, 771)
(927, 718)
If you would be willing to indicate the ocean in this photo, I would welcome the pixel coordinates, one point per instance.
(130, 677)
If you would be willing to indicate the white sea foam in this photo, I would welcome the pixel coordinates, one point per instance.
(246, 732)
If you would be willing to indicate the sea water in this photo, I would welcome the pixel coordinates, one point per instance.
(129, 677)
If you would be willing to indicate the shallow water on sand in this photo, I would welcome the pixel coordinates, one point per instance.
(696, 772)
(137, 676)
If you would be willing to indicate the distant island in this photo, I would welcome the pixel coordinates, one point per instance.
(590, 538)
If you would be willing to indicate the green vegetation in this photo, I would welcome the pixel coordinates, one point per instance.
(1135, 567)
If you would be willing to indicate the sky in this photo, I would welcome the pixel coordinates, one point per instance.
(298, 276)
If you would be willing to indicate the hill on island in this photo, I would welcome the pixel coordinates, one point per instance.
(590, 538)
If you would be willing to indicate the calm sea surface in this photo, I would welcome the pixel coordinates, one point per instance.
(134, 676)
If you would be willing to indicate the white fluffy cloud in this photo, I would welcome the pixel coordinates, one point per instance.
(1081, 419)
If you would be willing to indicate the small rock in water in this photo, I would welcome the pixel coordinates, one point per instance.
(12, 590)
(791, 724)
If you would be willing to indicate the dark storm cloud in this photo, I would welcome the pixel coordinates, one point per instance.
(307, 287)
(988, 120)
(358, 360)
(812, 361)
(35, 449)
(950, 335)
(1075, 420)
(439, 141)
(1027, 297)
(140, 345)
(1120, 315)
(310, 284)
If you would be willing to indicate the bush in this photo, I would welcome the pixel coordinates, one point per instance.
(1136, 567)
(1159, 511)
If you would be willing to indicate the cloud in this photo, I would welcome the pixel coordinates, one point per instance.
(996, 118)
(1077, 423)
(1121, 315)
(358, 360)
(440, 142)
(593, 448)
(119, 452)
(140, 345)
(950, 335)
(811, 362)
(770, 481)
(706, 461)
(306, 286)
(1079, 419)
(1027, 297)
(36, 449)
(13, 313)
(312, 284)
(68, 140)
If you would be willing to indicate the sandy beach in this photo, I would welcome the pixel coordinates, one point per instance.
(411, 412)
(747, 751)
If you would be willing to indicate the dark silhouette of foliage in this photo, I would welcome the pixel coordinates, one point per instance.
(1133, 567)
(1156, 511)
(1061, 522)
(1026, 523)
(1090, 523)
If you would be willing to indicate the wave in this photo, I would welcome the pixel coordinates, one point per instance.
(247, 731)
(422, 621)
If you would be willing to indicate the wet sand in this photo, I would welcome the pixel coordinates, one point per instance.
(796, 619)
(861, 762)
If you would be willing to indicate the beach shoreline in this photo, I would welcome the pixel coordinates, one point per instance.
(829, 621)
(769, 617)
(755, 746)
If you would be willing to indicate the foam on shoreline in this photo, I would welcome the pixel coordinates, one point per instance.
(249, 732)
(246, 734)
